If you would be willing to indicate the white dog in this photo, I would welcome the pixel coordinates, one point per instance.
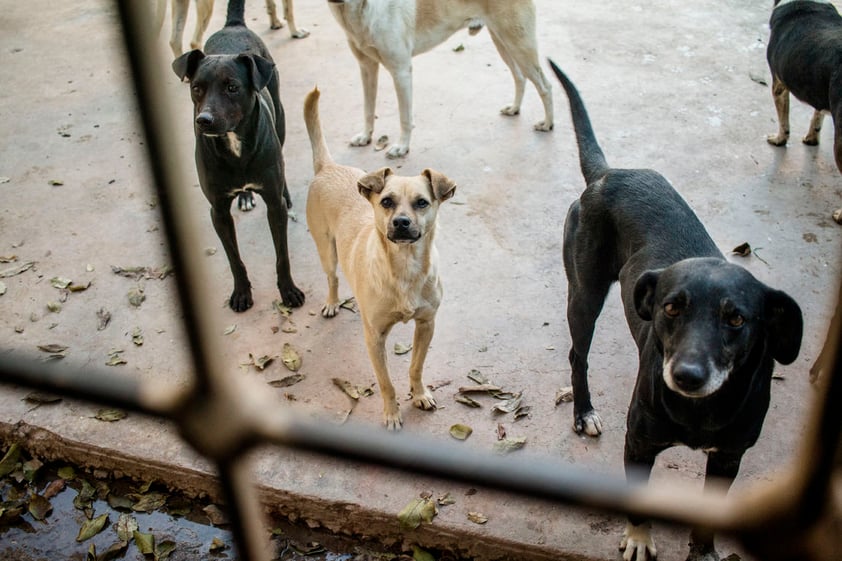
(391, 32)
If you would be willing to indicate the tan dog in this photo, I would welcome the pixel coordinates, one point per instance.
(391, 32)
(379, 227)
(204, 10)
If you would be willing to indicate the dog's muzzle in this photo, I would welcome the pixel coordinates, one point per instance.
(402, 230)
(207, 125)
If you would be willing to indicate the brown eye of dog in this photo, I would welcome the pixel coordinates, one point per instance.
(232, 88)
(671, 310)
(736, 320)
(386, 202)
(422, 203)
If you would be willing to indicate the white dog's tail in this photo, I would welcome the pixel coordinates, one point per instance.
(321, 154)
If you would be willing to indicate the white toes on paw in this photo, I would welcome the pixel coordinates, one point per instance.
(329, 310)
(300, 33)
(543, 126)
(425, 401)
(590, 423)
(393, 420)
(398, 151)
(510, 110)
(637, 543)
(361, 139)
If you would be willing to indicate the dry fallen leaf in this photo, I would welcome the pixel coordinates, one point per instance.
(467, 400)
(230, 329)
(103, 319)
(16, 270)
(564, 395)
(445, 500)
(478, 377)
(743, 250)
(286, 382)
(381, 143)
(509, 445)
(416, 512)
(477, 517)
(92, 527)
(137, 336)
(110, 415)
(401, 349)
(508, 406)
(260, 362)
(479, 388)
(501, 431)
(136, 296)
(460, 432)
(290, 358)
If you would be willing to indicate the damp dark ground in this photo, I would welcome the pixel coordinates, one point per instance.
(49, 512)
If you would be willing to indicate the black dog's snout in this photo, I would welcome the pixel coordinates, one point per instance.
(204, 119)
(401, 222)
(689, 377)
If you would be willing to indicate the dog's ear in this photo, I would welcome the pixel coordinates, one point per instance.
(260, 69)
(185, 66)
(785, 326)
(373, 182)
(443, 188)
(644, 294)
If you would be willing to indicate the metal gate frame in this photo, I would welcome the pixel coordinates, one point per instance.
(798, 516)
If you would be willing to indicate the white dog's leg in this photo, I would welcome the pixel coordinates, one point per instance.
(204, 11)
(780, 94)
(637, 543)
(179, 18)
(422, 398)
(517, 75)
(369, 70)
(402, 76)
(812, 137)
(289, 15)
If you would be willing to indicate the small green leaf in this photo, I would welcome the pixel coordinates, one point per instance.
(460, 432)
(92, 527)
(145, 542)
(163, 549)
(477, 377)
(509, 445)
(136, 296)
(290, 358)
(419, 554)
(10, 460)
(119, 502)
(401, 349)
(417, 511)
(67, 473)
(60, 282)
(110, 415)
(150, 502)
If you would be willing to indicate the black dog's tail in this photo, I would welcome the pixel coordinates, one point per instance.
(236, 13)
(591, 158)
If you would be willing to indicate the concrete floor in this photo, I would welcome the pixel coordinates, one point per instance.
(672, 86)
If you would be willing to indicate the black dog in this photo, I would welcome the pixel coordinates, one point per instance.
(804, 53)
(707, 331)
(239, 125)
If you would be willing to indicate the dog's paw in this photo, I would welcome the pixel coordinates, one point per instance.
(397, 151)
(589, 423)
(330, 309)
(543, 126)
(299, 33)
(361, 139)
(241, 300)
(510, 110)
(812, 139)
(424, 401)
(777, 139)
(245, 201)
(637, 543)
(393, 420)
(291, 295)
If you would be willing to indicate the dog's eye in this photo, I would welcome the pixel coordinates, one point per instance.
(671, 310)
(233, 88)
(422, 203)
(736, 320)
(387, 202)
(196, 89)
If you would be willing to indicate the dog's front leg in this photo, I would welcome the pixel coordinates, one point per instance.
(375, 341)
(639, 456)
(722, 467)
(276, 212)
(369, 70)
(289, 15)
(402, 77)
(223, 223)
(780, 94)
(422, 398)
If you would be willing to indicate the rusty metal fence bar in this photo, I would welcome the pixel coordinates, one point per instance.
(781, 520)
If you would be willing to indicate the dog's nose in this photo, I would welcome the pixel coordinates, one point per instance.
(690, 377)
(204, 119)
(401, 222)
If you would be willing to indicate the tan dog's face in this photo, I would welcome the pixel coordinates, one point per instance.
(405, 207)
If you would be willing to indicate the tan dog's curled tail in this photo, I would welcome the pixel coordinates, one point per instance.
(321, 154)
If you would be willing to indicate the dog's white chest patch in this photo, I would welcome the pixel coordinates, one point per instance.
(235, 144)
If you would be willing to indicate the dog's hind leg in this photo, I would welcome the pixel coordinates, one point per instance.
(402, 77)
(204, 11)
(780, 94)
(520, 82)
(289, 15)
(583, 307)
(326, 245)
(421, 396)
(179, 19)
(812, 137)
